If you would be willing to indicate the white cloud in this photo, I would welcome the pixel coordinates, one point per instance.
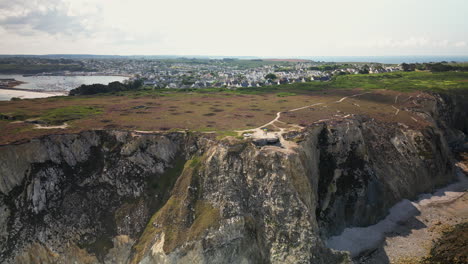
(460, 44)
(50, 16)
(242, 27)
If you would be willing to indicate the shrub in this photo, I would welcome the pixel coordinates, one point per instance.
(101, 88)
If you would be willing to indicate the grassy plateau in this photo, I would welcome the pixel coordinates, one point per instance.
(381, 96)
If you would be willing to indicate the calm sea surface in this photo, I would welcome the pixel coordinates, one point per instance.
(59, 83)
(388, 59)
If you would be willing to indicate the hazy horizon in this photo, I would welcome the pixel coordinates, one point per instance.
(261, 28)
(395, 59)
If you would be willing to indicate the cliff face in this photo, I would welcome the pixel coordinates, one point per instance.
(122, 197)
(371, 167)
(68, 192)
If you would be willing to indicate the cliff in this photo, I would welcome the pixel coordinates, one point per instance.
(127, 197)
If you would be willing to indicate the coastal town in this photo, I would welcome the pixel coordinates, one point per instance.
(198, 72)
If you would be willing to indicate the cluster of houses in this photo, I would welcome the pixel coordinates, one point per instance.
(247, 79)
(229, 83)
(217, 73)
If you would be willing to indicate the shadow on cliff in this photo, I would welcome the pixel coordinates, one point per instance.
(367, 244)
(378, 255)
(402, 221)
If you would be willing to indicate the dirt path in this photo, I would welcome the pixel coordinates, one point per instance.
(346, 97)
(278, 115)
(304, 107)
(397, 110)
(259, 133)
(38, 126)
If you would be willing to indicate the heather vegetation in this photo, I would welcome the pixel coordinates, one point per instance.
(222, 111)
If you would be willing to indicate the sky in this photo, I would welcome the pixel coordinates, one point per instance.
(268, 28)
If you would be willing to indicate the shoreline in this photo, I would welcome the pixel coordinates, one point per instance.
(32, 90)
(9, 93)
(10, 85)
(68, 75)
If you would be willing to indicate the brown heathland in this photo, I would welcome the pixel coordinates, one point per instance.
(204, 112)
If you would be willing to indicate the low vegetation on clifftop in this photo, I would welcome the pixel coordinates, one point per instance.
(382, 96)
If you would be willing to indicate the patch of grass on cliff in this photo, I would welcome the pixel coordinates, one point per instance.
(195, 162)
(206, 216)
(17, 114)
(451, 247)
(285, 94)
(61, 115)
(223, 134)
(163, 184)
(171, 219)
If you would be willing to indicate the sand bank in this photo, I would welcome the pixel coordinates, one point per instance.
(7, 94)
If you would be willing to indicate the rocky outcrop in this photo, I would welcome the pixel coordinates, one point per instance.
(366, 167)
(123, 197)
(84, 190)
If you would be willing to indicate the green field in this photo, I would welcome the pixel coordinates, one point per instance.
(397, 81)
(405, 81)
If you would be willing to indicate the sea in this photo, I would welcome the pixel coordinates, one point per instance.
(58, 83)
(388, 59)
(46, 86)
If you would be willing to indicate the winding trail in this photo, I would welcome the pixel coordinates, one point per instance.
(346, 97)
(278, 115)
(258, 133)
(304, 107)
(39, 126)
(397, 110)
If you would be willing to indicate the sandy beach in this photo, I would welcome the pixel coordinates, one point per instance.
(7, 94)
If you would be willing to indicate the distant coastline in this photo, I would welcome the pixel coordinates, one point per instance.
(72, 74)
(47, 85)
(392, 59)
(387, 59)
(8, 90)
(55, 83)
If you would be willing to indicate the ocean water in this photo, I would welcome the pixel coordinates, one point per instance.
(59, 83)
(388, 59)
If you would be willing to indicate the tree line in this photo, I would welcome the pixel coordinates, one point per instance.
(433, 67)
(109, 88)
